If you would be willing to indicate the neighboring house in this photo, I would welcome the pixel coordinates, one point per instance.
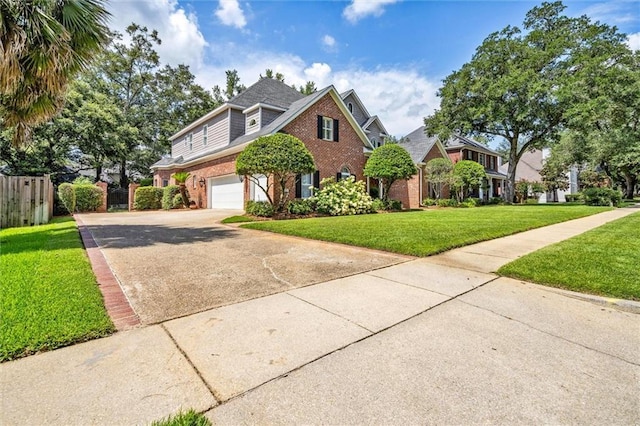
(422, 149)
(529, 167)
(462, 148)
(208, 147)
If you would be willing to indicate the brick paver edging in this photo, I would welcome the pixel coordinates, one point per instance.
(117, 304)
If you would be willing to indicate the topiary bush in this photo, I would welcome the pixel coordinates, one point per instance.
(346, 197)
(148, 198)
(300, 207)
(67, 195)
(168, 195)
(260, 208)
(88, 197)
(601, 197)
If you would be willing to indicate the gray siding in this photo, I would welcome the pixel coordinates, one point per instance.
(253, 115)
(268, 116)
(237, 124)
(358, 114)
(374, 133)
(218, 136)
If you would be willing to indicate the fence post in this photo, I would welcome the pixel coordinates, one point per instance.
(105, 191)
(132, 194)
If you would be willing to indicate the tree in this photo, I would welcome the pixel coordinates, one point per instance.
(439, 174)
(467, 175)
(389, 163)
(43, 44)
(279, 157)
(519, 84)
(308, 88)
(181, 180)
(269, 74)
(554, 177)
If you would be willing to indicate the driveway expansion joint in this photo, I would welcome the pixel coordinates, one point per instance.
(195, 369)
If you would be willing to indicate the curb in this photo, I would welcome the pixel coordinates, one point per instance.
(630, 306)
(115, 301)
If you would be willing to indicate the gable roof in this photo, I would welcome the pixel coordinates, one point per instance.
(459, 141)
(345, 95)
(267, 91)
(294, 110)
(418, 145)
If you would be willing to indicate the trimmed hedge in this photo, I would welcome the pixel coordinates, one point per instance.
(67, 195)
(168, 195)
(601, 197)
(88, 197)
(148, 198)
(260, 208)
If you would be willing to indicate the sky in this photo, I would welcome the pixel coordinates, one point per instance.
(394, 53)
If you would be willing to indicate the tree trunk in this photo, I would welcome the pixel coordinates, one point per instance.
(98, 172)
(630, 182)
(124, 179)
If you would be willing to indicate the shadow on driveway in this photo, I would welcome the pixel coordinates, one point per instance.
(130, 236)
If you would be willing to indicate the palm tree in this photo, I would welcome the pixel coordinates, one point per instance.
(43, 43)
(181, 180)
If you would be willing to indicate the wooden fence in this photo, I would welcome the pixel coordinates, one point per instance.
(25, 200)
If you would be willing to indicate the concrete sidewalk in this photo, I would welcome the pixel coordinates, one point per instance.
(425, 341)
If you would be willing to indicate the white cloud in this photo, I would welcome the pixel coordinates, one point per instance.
(359, 9)
(182, 41)
(633, 41)
(614, 12)
(328, 41)
(230, 13)
(400, 97)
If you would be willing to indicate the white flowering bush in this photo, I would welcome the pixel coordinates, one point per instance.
(345, 197)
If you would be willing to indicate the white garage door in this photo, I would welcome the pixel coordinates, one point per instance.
(226, 193)
(257, 194)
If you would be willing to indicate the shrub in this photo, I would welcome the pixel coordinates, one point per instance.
(389, 163)
(260, 208)
(467, 203)
(395, 205)
(495, 200)
(82, 180)
(447, 202)
(168, 196)
(300, 207)
(601, 197)
(429, 202)
(148, 198)
(571, 198)
(345, 197)
(67, 195)
(474, 202)
(177, 202)
(378, 205)
(88, 197)
(146, 182)
(531, 201)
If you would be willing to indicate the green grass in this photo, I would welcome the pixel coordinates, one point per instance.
(604, 261)
(48, 293)
(189, 418)
(237, 219)
(425, 233)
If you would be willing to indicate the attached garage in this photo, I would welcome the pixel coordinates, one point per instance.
(226, 192)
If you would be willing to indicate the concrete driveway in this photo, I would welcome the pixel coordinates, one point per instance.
(175, 263)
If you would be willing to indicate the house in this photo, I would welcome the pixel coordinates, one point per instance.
(208, 147)
(529, 167)
(422, 149)
(459, 148)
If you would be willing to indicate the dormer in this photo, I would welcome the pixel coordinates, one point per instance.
(260, 115)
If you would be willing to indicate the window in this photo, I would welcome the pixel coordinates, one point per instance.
(205, 135)
(327, 128)
(492, 162)
(304, 183)
(343, 173)
(350, 106)
(190, 137)
(482, 159)
(469, 155)
(165, 182)
(374, 143)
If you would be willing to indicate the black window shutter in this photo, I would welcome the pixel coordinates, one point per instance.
(298, 186)
(338, 176)
(320, 135)
(316, 179)
(335, 130)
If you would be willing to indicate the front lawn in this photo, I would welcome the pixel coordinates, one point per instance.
(604, 261)
(48, 293)
(428, 232)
